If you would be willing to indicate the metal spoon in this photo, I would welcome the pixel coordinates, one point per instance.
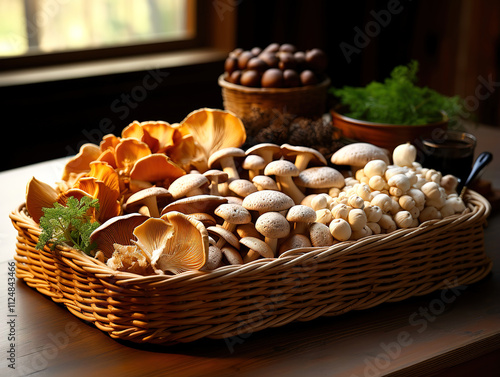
(481, 161)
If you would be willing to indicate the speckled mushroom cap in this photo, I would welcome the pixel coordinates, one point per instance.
(358, 154)
(281, 168)
(320, 177)
(264, 182)
(183, 185)
(253, 161)
(233, 213)
(273, 225)
(242, 187)
(267, 200)
(301, 213)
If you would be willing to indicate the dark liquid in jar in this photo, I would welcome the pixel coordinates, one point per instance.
(449, 157)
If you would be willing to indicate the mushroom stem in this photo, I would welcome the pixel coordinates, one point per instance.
(302, 160)
(288, 187)
(152, 205)
(229, 167)
(273, 244)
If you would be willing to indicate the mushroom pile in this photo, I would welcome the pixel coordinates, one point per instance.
(185, 197)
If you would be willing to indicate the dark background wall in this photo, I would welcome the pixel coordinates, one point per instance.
(455, 41)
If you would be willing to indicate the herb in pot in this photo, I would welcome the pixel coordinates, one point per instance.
(398, 100)
(69, 225)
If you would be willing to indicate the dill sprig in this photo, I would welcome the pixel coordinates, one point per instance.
(69, 225)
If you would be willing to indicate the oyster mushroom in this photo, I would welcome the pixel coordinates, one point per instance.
(211, 130)
(156, 168)
(117, 230)
(127, 152)
(81, 161)
(175, 242)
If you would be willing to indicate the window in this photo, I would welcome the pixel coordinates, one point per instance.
(66, 28)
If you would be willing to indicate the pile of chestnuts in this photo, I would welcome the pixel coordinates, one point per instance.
(276, 66)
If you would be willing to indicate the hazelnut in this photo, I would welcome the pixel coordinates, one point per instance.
(272, 78)
(316, 60)
(269, 58)
(256, 51)
(286, 60)
(288, 48)
(234, 77)
(308, 77)
(257, 64)
(273, 47)
(250, 78)
(231, 64)
(243, 59)
(291, 78)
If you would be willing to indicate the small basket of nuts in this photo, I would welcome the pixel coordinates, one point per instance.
(259, 85)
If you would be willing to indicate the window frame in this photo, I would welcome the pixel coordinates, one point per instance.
(201, 38)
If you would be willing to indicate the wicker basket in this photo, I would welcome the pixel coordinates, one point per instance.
(301, 285)
(257, 107)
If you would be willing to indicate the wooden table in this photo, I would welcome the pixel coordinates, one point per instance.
(449, 333)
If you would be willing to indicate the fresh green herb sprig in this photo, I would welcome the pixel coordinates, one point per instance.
(398, 100)
(69, 225)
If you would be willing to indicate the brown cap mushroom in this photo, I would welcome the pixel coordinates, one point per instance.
(303, 155)
(188, 185)
(233, 215)
(224, 236)
(301, 215)
(268, 151)
(195, 204)
(258, 245)
(295, 241)
(225, 158)
(242, 187)
(323, 177)
(357, 155)
(152, 197)
(254, 164)
(267, 201)
(263, 182)
(284, 170)
(273, 226)
(215, 177)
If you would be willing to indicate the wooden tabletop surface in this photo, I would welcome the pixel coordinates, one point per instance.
(454, 332)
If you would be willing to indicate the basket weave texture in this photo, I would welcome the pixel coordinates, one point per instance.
(255, 105)
(300, 285)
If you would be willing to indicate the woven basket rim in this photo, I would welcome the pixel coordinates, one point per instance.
(478, 208)
(249, 90)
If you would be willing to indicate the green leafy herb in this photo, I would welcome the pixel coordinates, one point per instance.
(69, 225)
(398, 100)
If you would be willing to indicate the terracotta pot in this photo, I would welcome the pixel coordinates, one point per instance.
(383, 135)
